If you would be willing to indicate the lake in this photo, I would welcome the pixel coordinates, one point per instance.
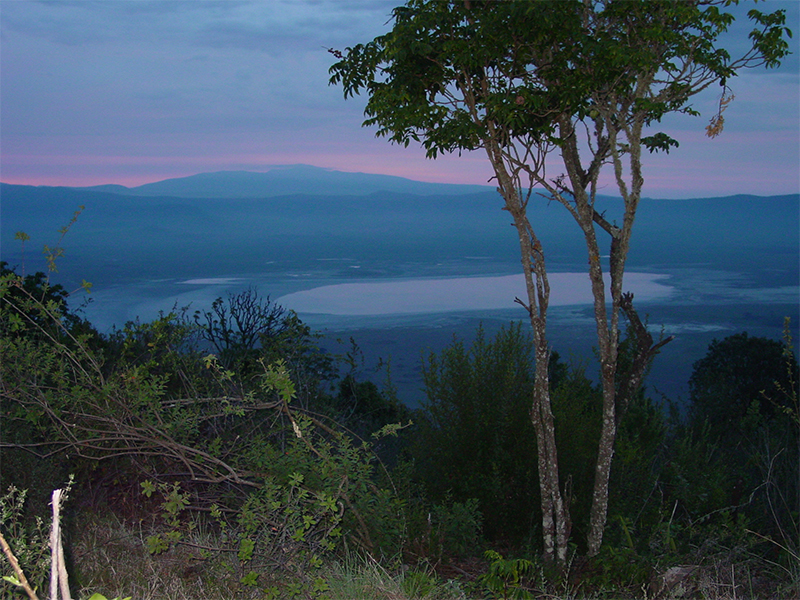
(403, 320)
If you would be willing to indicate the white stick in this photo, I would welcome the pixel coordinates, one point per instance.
(54, 536)
(58, 567)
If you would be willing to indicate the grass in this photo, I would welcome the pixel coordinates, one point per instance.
(109, 556)
(357, 577)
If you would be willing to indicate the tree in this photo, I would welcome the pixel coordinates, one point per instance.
(241, 324)
(582, 79)
(738, 375)
(245, 329)
(18, 289)
(743, 394)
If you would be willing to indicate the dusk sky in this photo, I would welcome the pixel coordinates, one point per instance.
(132, 92)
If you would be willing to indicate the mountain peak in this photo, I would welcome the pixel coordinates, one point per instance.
(285, 180)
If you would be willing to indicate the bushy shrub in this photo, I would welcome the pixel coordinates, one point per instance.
(475, 438)
(285, 483)
(727, 386)
(29, 539)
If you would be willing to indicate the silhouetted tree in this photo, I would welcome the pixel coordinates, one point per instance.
(241, 323)
(521, 80)
(739, 374)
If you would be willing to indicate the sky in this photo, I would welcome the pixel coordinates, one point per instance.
(131, 92)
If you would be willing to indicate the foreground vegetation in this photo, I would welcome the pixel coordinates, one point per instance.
(223, 454)
(271, 469)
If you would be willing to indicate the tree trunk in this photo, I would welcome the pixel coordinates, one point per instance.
(607, 325)
(607, 343)
(555, 518)
(618, 389)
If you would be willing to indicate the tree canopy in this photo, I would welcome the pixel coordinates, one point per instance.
(738, 374)
(448, 71)
(585, 80)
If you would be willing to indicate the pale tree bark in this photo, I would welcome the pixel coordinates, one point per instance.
(617, 388)
(616, 138)
(507, 165)
(606, 322)
(555, 515)
(577, 194)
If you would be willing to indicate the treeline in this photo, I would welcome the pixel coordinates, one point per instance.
(234, 420)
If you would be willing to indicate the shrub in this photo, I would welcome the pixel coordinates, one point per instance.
(29, 541)
(475, 438)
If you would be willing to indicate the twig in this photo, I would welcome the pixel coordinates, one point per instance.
(23, 581)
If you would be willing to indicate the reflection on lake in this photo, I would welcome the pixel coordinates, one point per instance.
(417, 296)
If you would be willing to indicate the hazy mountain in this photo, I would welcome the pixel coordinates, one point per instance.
(292, 217)
(286, 180)
(127, 236)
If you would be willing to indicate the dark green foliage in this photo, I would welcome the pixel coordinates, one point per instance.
(245, 329)
(286, 483)
(639, 452)
(363, 408)
(19, 319)
(577, 404)
(437, 531)
(163, 348)
(688, 490)
(21, 289)
(507, 578)
(698, 480)
(29, 541)
(742, 399)
(541, 60)
(36, 325)
(637, 495)
(732, 384)
(475, 437)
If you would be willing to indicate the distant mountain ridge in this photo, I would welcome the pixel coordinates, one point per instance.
(215, 224)
(287, 180)
(155, 236)
(308, 180)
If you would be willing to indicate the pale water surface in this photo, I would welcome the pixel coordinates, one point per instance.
(417, 296)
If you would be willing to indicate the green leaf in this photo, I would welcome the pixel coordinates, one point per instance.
(246, 547)
(659, 141)
(148, 487)
(12, 580)
(156, 544)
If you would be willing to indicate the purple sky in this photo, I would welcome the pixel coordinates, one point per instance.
(134, 92)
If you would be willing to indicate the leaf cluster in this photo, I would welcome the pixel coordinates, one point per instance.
(30, 540)
(453, 75)
(474, 438)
